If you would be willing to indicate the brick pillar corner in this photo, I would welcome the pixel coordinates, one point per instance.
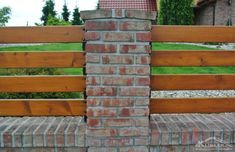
(118, 79)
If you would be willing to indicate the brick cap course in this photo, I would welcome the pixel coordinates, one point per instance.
(42, 132)
(189, 129)
(118, 13)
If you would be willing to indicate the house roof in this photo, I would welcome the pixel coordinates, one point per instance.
(150, 5)
(201, 3)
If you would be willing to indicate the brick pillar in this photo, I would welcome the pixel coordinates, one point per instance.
(118, 79)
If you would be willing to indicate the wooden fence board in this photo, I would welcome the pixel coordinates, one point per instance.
(193, 58)
(192, 105)
(195, 34)
(42, 59)
(42, 34)
(43, 107)
(42, 84)
(193, 82)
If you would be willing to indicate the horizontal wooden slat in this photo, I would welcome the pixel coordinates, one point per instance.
(193, 82)
(42, 59)
(193, 34)
(44, 107)
(192, 105)
(42, 84)
(43, 34)
(193, 58)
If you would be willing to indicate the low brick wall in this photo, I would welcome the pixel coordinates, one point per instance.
(37, 133)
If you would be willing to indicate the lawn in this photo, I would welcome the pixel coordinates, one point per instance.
(155, 70)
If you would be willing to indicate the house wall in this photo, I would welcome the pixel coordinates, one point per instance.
(204, 16)
(223, 11)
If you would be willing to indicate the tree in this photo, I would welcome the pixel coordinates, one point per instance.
(76, 17)
(4, 15)
(98, 6)
(56, 21)
(48, 9)
(173, 12)
(65, 14)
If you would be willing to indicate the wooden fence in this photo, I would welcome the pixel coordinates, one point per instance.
(174, 58)
(46, 59)
(64, 107)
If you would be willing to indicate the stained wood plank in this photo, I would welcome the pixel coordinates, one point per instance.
(42, 59)
(193, 34)
(44, 107)
(193, 58)
(45, 34)
(192, 105)
(193, 82)
(42, 84)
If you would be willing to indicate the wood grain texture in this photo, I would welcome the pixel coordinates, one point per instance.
(192, 105)
(44, 107)
(195, 34)
(193, 82)
(42, 59)
(193, 58)
(42, 84)
(43, 34)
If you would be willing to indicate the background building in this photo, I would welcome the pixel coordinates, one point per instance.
(215, 12)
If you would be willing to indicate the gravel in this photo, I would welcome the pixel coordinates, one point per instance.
(194, 93)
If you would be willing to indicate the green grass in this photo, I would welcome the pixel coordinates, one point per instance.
(172, 46)
(46, 47)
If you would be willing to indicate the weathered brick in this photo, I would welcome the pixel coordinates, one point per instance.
(134, 70)
(97, 14)
(110, 102)
(134, 149)
(133, 131)
(92, 122)
(117, 59)
(113, 142)
(117, 102)
(102, 149)
(135, 26)
(99, 112)
(91, 58)
(142, 141)
(142, 121)
(142, 102)
(101, 91)
(101, 48)
(135, 49)
(93, 102)
(118, 37)
(144, 37)
(118, 80)
(129, 112)
(93, 80)
(143, 59)
(134, 91)
(117, 122)
(93, 142)
(118, 13)
(91, 36)
(142, 81)
(139, 14)
(102, 132)
(92, 69)
(100, 25)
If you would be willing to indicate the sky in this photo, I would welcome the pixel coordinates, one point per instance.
(30, 11)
